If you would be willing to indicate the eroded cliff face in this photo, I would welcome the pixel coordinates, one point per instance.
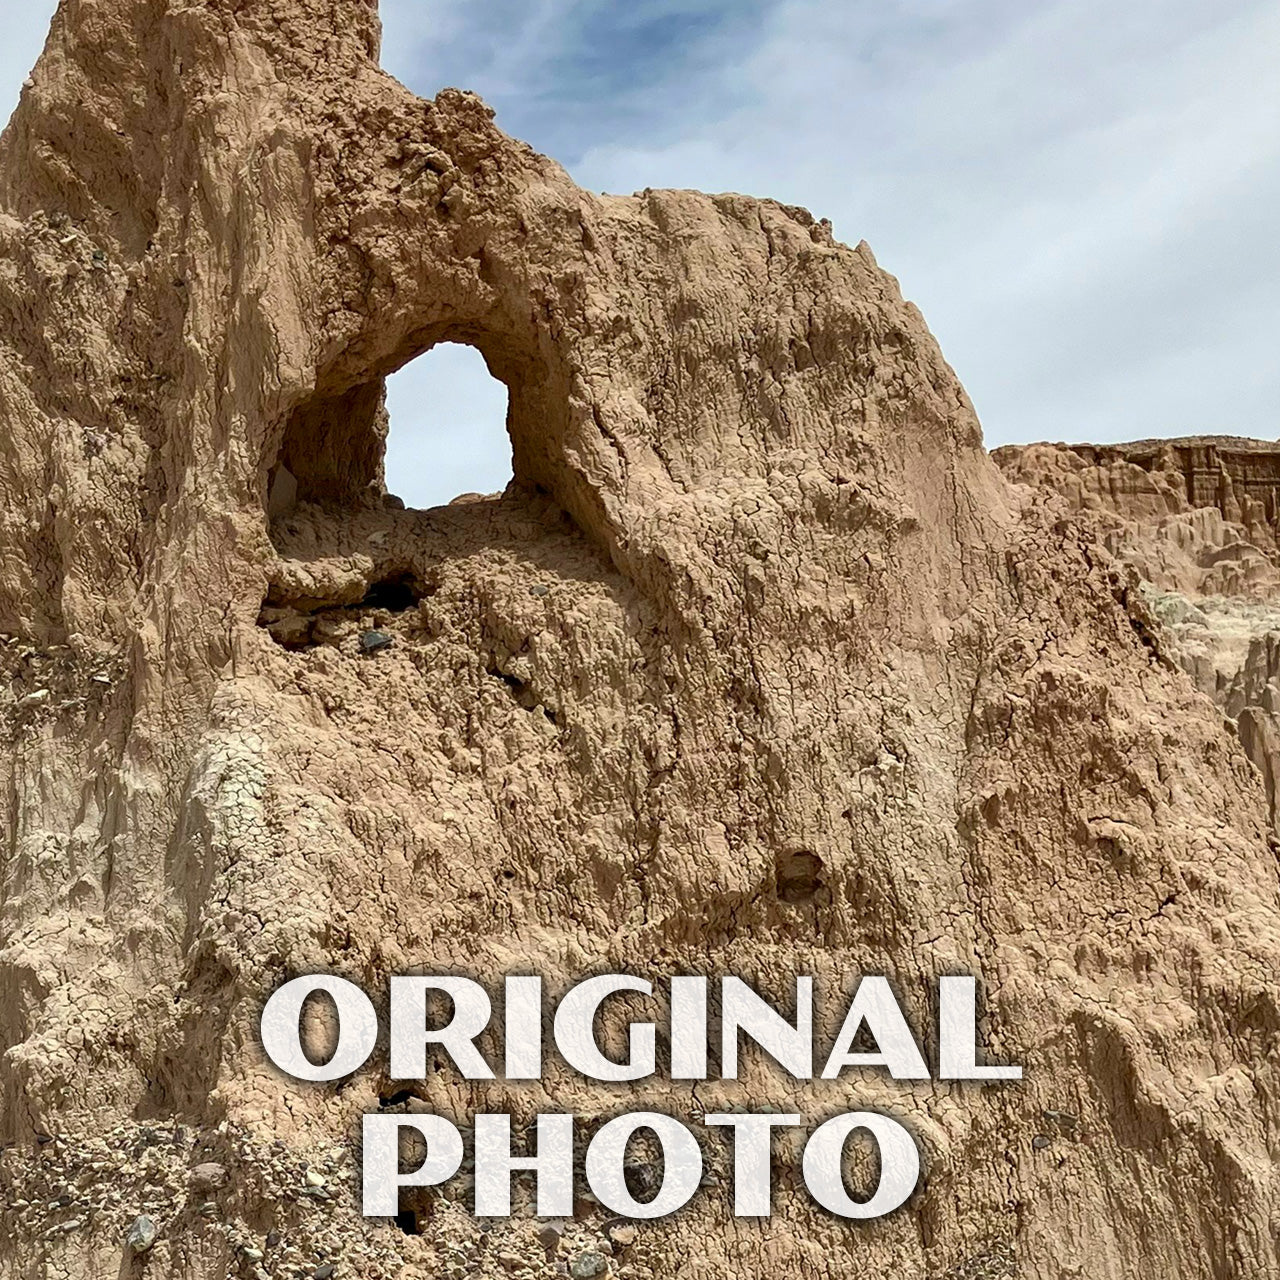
(759, 666)
(1198, 521)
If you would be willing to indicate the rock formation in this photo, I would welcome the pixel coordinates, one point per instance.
(759, 666)
(1198, 521)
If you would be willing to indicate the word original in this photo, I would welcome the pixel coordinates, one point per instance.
(873, 1020)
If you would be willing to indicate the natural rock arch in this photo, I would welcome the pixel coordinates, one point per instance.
(333, 445)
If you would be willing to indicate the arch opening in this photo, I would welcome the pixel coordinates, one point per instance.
(433, 430)
(447, 428)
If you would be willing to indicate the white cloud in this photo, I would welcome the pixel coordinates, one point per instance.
(1076, 193)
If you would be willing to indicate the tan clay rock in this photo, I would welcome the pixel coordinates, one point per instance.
(759, 667)
(1198, 520)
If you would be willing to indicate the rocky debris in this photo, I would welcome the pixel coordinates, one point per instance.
(587, 1265)
(549, 1236)
(146, 1167)
(620, 1233)
(43, 683)
(208, 1176)
(642, 1178)
(1066, 1120)
(142, 1234)
(996, 1262)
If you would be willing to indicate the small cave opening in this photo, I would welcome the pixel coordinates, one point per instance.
(798, 875)
(407, 1221)
(433, 430)
(298, 623)
(417, 1205)
(396, 593)
(394, 1098)
(447, 435)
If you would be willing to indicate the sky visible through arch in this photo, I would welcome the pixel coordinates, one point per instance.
(1080, 196)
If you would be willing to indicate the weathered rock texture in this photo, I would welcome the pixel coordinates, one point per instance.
(1199, 516)
(1198, 521)
(759, 666)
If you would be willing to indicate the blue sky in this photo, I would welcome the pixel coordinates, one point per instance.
(1081, 196)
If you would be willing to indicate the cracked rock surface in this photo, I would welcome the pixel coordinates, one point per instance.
(1197, 520)
(759, 666)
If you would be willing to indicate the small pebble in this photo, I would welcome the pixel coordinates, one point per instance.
(587, 1265)
(324, 1271)
(209, 1174)
(622, 1234)
(1039, 1142)
(372, 641)
(549, 1236)
(1061, 1117)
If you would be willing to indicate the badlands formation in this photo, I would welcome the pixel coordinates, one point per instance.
(1198, 521)
(760, 666)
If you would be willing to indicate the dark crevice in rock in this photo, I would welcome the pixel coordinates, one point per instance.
(799, 876)
(523, 694)
(396, 594)
(303, 624)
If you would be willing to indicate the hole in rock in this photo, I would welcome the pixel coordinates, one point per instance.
(396, 1099)
(431, 432)
(799, 875)
(448, 428)
(523, 693)
(301, 624)
(396, 594)
(417, 1205)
